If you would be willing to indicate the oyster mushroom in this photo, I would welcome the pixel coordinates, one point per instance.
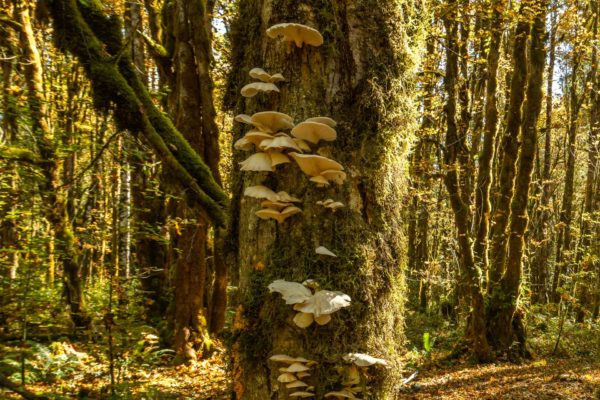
(297, 33)
(279, 216)
(320, 169)
(323, 120)
(261, 192)
(271, 121)
(313, 132)
(262, 75)
(254, 88)
(257, 162)
(364, 360)
(291, 292)
(302, 394)
(331, 204)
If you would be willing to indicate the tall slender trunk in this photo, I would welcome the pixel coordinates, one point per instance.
(455, 165)
(486, 157)
(505, 320)
(51, 190)
(540, 235)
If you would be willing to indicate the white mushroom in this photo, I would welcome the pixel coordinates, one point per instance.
(276, 205)
(314, 166)
(278, 158)
(271, 121)
(334, 175)
(323, 120)
(252, 137)
(291, 292)
(261, 192)
(252, 89)
(285, 196)
(296, 384)
(314, 131)
(324, 251)
(279, 216)
(297, 367)
(329, 203)
(297, 33)
(302, 394)
(261, 75)
(281, 143)
(363, 360)
(243, 118)
(286, 377)
(324, 302)
(257, 162)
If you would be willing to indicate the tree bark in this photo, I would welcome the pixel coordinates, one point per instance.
(362, 79)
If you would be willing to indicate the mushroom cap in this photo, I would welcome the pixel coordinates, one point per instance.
(277, 78)
(302, 394)
(314, 131)
(323, 120)
(286, 377)
(319, 180)
(282, 143)
(363, 360)
(252, 89)
(324, 251)
(282, 357)
(296, 384)
(291, 292)
(261, 192)
(297, 367)
(342, 394)
(278, 158)
(275, 205)
(243, 144)
(313, 165)
(260, 74)
(334, 175)
(331, 204)
(303, 320)
(302, 144)
(271, 121)
(252, 137)
(279, 216)
(297, 33)
(323, 319)
(303, 374)
(243, 118)
(257, 162)
(285, 196)
(324, 302)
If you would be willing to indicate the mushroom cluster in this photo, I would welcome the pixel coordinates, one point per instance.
(278, 206)
(312, 307)
(353, 376)
(291, 376)
(330, 204)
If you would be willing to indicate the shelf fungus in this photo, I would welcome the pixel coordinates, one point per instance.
(323, 120)
(254, 88)
(291, 375)
(262, 75)
(296, 33)
(252, 139)
(313, 132)
(261, 192)
(321, 169)
(316, 307)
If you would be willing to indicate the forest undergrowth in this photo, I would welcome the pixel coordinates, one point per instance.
(67, 369)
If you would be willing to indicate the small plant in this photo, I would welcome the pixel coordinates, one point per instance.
(428, 343)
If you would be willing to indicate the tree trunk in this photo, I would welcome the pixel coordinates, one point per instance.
(51, 188)
(505, 321)
(361, 78)
(456, 166)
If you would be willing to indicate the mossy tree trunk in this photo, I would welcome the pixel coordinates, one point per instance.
(361, 77)
(51, 187)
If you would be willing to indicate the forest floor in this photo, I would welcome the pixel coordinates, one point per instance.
(74, 370)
